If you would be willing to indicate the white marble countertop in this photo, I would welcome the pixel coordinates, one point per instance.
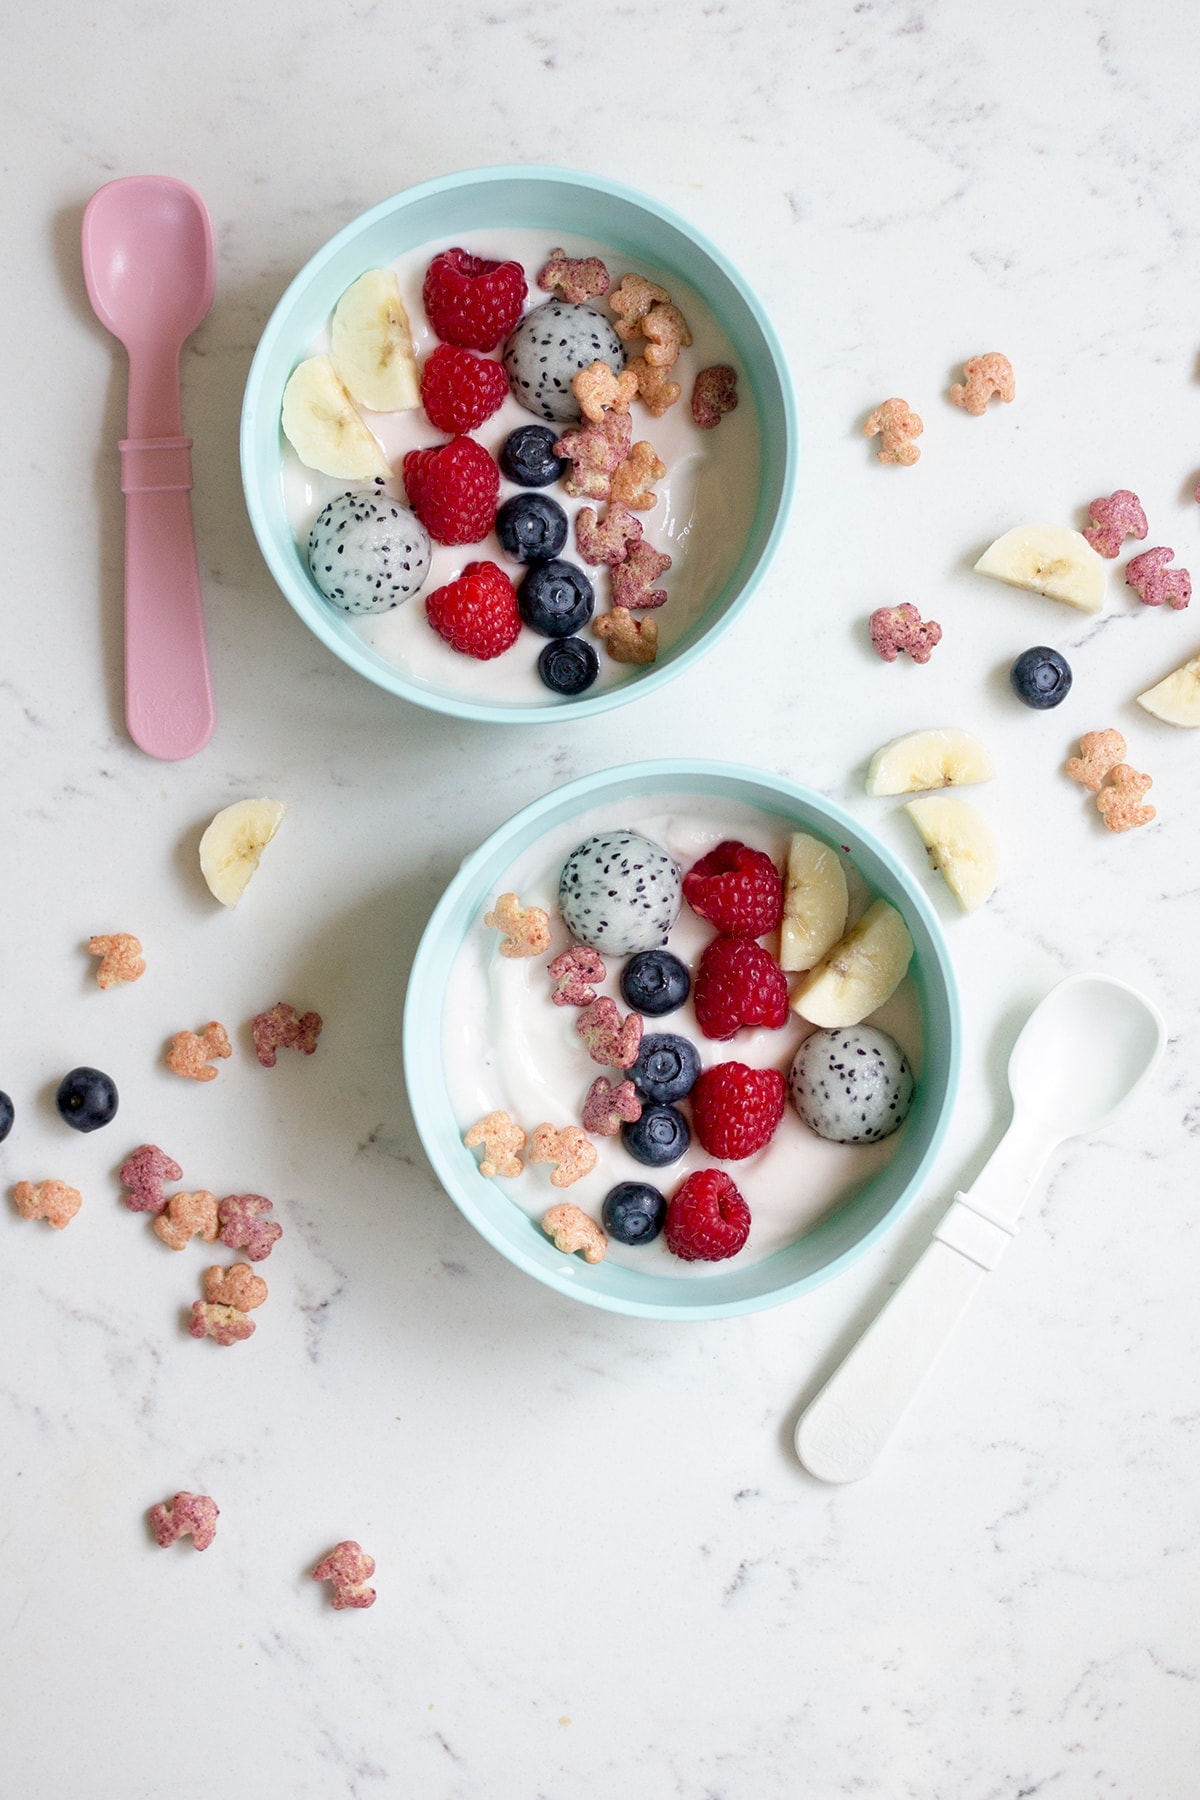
(600, 1569)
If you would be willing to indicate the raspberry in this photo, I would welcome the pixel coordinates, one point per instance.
(460, 390)
(476, 614)
(471, 301)
(735, 1110)
(453, 489)
(707, 1220)
(738, 984)
(737, 889)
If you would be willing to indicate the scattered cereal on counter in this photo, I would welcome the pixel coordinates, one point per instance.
(714, 394)
(53, 1201)
(1112, 518)
(895, 425)
(594, 452)
(897, 628)
(627, 640)
(185, 1515)
(607, 1108)
(656, 390)
(526, 929)
(599, 391)
(986, 375)
(610, 1039)
(577, 278)
(121, 958)
(142, 1175)
(1099, 751)
(572, 1230)
(224, 1324)
(244, 1225)
(609, 541)
(192, 1055)
(349, 1568)
(633, 480)
(236, 1286)
(501, 1138)
(633, 580)
(282, 1029)
(631, 300)
(1120, 799)
(1153, 582)
(569, 1149)
(187, 1216)
(574, 974)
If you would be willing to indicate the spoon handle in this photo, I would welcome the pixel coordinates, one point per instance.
(168, 686)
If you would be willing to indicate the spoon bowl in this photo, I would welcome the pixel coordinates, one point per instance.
(149, 260)
(1082, 1052)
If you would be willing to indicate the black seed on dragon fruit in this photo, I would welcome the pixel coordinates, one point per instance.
(619, 893)
(851, 1085)
(547, 350)
(367, 552)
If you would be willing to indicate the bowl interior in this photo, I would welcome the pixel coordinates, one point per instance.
(840, 1235)
(441, 211)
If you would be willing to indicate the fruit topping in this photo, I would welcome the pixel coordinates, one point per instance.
(453, 489)
(460, 390)
(471, 301)
(736, 1109)
(477, 614)
(532, 528)
(555, 598)
(324, 428)
(371, 344)
(655, 982)
(1041, 677)
(7, 1115)
(738, 984)
(707, 1219)
(1050, 560)
(860, 972)
(86, 1099)
(633, 1212)
(737, 889)
(528, 457)
(660, 1136)
(547, 350)
(568, 665)
(851, 1086)
(815, 902)
(666, 1068)
(619, 892)
(942, 757)
(961, 846)
(233, 843)
(367, 552)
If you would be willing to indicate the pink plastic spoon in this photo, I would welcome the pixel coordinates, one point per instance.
(150, 271)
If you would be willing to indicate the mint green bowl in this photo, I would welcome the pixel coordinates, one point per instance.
(838, 1238)
(439, 212)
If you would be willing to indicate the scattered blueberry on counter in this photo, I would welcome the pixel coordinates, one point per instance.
(1041, 677)
(87, 1099)
(7, 1116)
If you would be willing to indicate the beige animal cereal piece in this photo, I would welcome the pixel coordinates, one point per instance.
(191, 1054)
(599, 391)
(895, 425)
(608, 542)
(577, 278)
(594, 452)
(632, 482)
(713, 395)
(572, 1230)
(188, 1216)
(631, 300)
(1120, 799)
(570, 1149)
(633, 582)
(501, 1139)
(656, 389)
(53, 1201)
(1099, 751)
(627, 640)
(224, 1324)
(666, 332)
(526, 929)
(120, 956)
(986, 375)
(236, 1286)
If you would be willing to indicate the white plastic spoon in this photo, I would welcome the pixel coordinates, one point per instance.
(1082, 1052)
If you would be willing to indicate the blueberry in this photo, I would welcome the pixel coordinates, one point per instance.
(666, 1068)
(568, 665)
(633, 1212)
(87, 1099)
(1041, 677)
(527, 457)
(660, 1136)
(531, 527)
(655, 983)
(6, 1116)
(555, 598)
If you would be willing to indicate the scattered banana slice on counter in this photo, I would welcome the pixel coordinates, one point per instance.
(1176, 699)
(961, 846)
(323, 428)
(372, 345)
(233, 843)
(1050, 560)
(815, 902)
(937, 758)
(860, 972)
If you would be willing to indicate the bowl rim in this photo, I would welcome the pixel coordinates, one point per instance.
(395, 680)
(420, 1069)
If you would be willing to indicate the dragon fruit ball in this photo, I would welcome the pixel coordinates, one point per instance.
(619, 893)
(851, 1085)
(547, 350)
(367, 552)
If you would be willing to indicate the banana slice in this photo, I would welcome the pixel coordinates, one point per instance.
(961, 846)
(372, 344)
(233, 843)
(815, 902)
(1050, 560)
(321, 425)
(859, 973)
(942, 757)
(1176, 700)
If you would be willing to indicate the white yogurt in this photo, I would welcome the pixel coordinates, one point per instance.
(705, 508)
(508, 1047)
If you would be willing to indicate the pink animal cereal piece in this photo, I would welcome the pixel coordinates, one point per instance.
(282, 1029)
(1099, 752)
(611, 541)
(236, 1286)
(895, 424)
(501, 1139)
(627, 640)
(120, 956)
(594, 452)
(224, 1324)
(572, 1229)
(192, 1054)
(575, 974)
(570, 1149)
(1119, 801)
(185, 1515)
(577, 278)
(632, 482)
(53, 1201)
(599, 391)
(986, 375)
(1153, 582)
(632, 582)
(656, 390)
(245, 1226)
(143, 1173)
(187, 1216)
(609, 1038)
(1113, 518)
(631, 300)
(714, 394)
(897, 628)
(349, 1568)
(666, 332)
(526, 929)
(607, 1107)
